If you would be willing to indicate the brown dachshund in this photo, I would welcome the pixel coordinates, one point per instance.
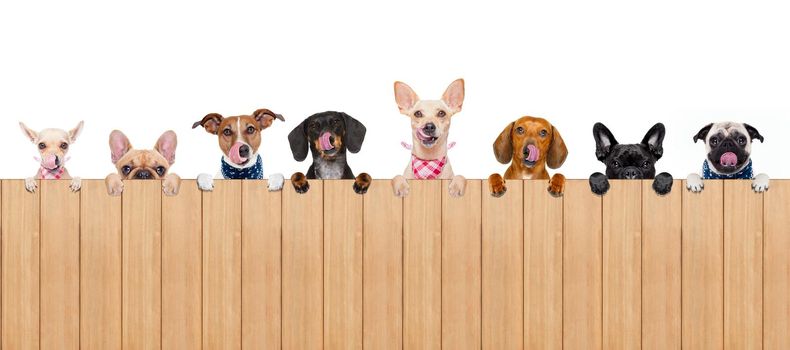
(529, 145)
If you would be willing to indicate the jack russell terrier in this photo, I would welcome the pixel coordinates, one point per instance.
(53, 145)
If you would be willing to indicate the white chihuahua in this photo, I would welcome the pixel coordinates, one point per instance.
(53, 145)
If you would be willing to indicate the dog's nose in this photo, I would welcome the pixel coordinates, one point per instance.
(57, 161)
(429, 128)
(630, 173)
(332, 139)
(244, 151)
(727, 143)
(143, 175)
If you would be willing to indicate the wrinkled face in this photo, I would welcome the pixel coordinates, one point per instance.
(239, 137)
(729, 147)
(52, 144)
(325, 134)
(531, 138)
(430, 119)
(630, 162)
(143, 164)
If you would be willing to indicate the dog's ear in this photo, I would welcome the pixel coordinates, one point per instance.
(604, 141)
(32, 135)
(74, 133)
(557, 150)
(119, 145)
(210, 122)
(166, 146)
(503, 147)
(654, 140)
(265, 117)
(453, 97)
(405, 97)
(753, 133)
(703, 133)
(355, 133)
(298, 140)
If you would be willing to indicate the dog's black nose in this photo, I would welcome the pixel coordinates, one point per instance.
(630, 173)
(727, 143)
(244, 151)
(57, 161)
(429, 128)
(332, 139)
(143, 175)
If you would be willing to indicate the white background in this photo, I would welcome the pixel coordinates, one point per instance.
(148, 66)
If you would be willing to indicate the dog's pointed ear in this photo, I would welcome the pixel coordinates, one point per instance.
(355, 133)
(604, 141)
(654, 140)
(265, 117)
(297, 138)
(753, 133)
(503, 146)
(453, 97)
(703, 133)
(405, 97)
(119, 145)
(210, 122)
(74, 133)
(557, 150)
(166, 146)
(30, 133)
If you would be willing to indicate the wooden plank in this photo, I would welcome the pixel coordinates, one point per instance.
(622, 265)
(543, 225)
(342, 266)
(661, 268)
(743, 266)
(502, 268)
(703, 264)
(382, 268)
(461, 270)
(302, 264)
(181, 269)
(60, 268)
(260, 266)
(100, 267)
(582, 269)
(222, 266)
(20, 267)
(776, 266)
(422, 265)
(142, 264)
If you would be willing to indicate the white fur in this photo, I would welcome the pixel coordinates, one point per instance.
(694, 183)
(760, 183)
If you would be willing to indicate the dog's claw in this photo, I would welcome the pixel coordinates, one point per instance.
(457, 186)
(76, 184)
(760, 183)
(31, 185)
(300, 183)
(694, 183)
(400, 187)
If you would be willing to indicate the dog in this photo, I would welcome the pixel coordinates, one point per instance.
(529, 144)
(328, 135)
(53, 145)
(430, 124)
(239, 139)
(135, 164)
(629, 161)
(729, 149)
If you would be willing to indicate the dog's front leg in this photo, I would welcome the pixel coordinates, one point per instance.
(362, 183)
(760, 183)
(300, 183)
(457, 186)
(662, 184)
(76, 184)
(205, 182)
(276, 182)
(31, 185)
(400, 186)
(114, 184)
(496, 185)
(694, 183)
(557, 185)
(599, 184)
(171, 184)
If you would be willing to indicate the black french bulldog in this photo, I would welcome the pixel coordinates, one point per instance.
(629, 161)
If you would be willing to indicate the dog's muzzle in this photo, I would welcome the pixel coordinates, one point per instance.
(631, 173)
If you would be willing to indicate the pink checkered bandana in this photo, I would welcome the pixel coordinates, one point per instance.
(427, 169)
(46, 174)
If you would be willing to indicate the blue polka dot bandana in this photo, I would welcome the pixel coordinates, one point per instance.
(745, 174)
(254, 172)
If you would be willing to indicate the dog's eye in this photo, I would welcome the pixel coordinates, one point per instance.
(543, 133)
(742, 140)
(42, 146)
(227, 132)
(126, 169)
(646, 164)
(418, 114)
(441, 114)
(714, 141)
(160, 170)
(64, 146)
(250, 130)
(520, 130)
(615, 164)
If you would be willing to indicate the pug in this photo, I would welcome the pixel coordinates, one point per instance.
(629, 161)
(143, 164)
(729, 148)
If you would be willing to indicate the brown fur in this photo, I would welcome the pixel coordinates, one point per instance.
(137, 160)
(216, 124)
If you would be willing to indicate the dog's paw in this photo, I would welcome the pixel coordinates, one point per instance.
(276, 182)
(114, 185)
(400, 186)
(694, 183)
(171, 184)
(557, 185)
(300, 183)
(760, 183)
(76, 184)
(31, 185)
(496, 185)
(205, 182)
(599, 184)
(662, 184)
(457, 186)
(362, 183)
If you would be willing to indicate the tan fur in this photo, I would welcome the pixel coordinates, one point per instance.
(124, 155)
(215, 124)
(55, 142)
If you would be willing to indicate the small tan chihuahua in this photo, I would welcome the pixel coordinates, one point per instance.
(52, 144)
(133, 164)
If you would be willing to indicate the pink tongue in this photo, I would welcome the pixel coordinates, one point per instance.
(325, 144)
(728, 159)
(534, 153)
(234, 153)
(49, 162)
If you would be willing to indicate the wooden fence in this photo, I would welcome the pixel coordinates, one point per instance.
(245, 268)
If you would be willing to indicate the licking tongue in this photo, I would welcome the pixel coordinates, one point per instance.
(533, 153)
(326, 145)
(728, 159)
(234, 153)
(49, 162)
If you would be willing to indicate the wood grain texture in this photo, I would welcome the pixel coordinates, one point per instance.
(661, 269)
(302, 304)
(422, 265)
(260, 266)
(503, 268)
(622, 265)
(60, 270)
(20, 266)
(100, 267)
(743, 266)
(703, 264)
(776, 266)
(582, 267)
(222, 266)
(142, 264)
(382, 268)
(543, 225)
(182, 278)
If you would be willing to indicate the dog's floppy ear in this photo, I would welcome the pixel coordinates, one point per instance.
(74, 133)
(503, 146)
(210, 122)
(119, 145)
(355, 133)
(753, 133)
(557, 150)
(405, 97)
(604, 141)
(453, 97)
(32, 135)
(298, 140)
(703, 133)
(265, 117)
(654, 139)
(166, 146)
